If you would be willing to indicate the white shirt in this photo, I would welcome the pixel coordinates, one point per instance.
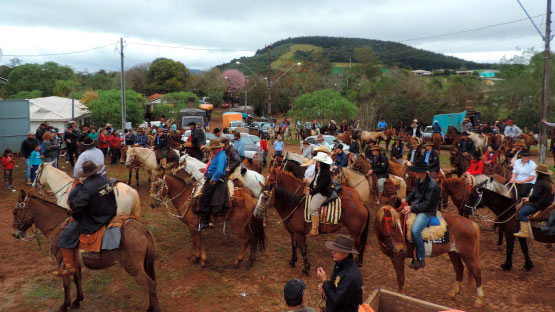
(307, 152)
(309, 173)
(524, 171)
(93, 154)
(512, 131)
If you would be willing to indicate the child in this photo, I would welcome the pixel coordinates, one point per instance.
(35, 161)
(8, 163)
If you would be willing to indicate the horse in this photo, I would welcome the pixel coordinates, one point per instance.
(505, 209)
(288, 190)
(362, 165)
(436, 140)
(147, 157)
(357, 181)
(346, 136)
(135, 165)
(464, 244)
(181, 192)
(495, 140)
(457, 189)
(459, 161)
(292, 164)
(374, 135)
(480, 141)
(452, 136)
(127, 198)
(136, 253)
(252, 164)
(529, 140)
(389, 133)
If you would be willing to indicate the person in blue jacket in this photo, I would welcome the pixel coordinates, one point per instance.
(341, 158)
(382, 125)
(214, 174)
(436, 128)
(140, 138)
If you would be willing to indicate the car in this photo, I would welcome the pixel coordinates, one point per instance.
(236, 124)
(428, 133)
(252, 149)
(208, 136)
(328, 139)
(259, 128)
(225, 105)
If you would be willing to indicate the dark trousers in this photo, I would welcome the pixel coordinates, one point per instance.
(8, 176)
(278, 153)
(34, 172)
(104, 150)
(524, 189)
(115, 155)
(72, 151)
(69, 238)
(205, 203)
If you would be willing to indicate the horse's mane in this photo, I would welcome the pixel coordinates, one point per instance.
(290, 197)
(502, 197)
(45, 201)
(290, 175)
(394, 214)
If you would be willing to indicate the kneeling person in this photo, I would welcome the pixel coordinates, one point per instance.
(214, 174)
(93, 205)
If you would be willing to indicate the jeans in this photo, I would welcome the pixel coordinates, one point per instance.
(421, 221)
(278, 153)
(34, 172)
(525, 211)
(27, 168)
(264, 160)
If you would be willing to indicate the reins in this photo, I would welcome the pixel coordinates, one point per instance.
(484, 219)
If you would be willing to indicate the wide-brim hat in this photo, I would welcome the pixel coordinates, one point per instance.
(429, 143)
(307, 162)
(466, 119)
(419, 166)
(215, 143)
(89, 169)
(375, 148)
(543, 169)
(415, 120)
(321, 148)
(324, 158)
(342, 243)
(525, 152)
(88, 143)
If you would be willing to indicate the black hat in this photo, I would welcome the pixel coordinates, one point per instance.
(419, 166)
(476, 154)
(216, 130)
(525, 152)
(339, 146)
(88, 143)
(293, 292)
(192, 123)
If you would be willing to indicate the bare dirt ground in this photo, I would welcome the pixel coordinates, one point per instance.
(26, 283)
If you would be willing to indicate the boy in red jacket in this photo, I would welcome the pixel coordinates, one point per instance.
(8, 163)
(115, 147)
(476, 164)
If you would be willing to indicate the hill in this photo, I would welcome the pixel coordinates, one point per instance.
(341, 51)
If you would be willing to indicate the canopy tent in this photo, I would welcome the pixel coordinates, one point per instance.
(445, 120)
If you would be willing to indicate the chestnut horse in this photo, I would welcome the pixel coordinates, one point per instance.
(453, 136)
(463, 246)
(529, 140)
(135, 254)
(180, 192)
(459, 161)
(282, 185)
(436, 140)
(389, 133)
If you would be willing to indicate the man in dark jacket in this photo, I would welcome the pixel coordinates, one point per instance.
(27, 147)
(380, 167)
(93, 205)
(414, 154)
(424, 198)
(72, 140)
(40, 132)
(466, 145)
(341, 158)
(344, 289)
(432, 159)
(161, 143)
(397, 150)
(51, 149)
(194, 138)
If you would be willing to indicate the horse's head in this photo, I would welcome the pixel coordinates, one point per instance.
(475, 196)
(40, 180)
(390, 231)
(266, 199)
(22, 216)
(338, 175)
(130, 159)
(158, 189)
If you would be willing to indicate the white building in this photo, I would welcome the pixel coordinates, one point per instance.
(57, 110)
(421, 72)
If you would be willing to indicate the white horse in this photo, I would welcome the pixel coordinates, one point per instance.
(60, 183)
(480, 141)
(147, 157)
(252, 178)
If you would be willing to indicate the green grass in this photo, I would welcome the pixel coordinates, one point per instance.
(97, 283)
(44, 290)
(285, 58)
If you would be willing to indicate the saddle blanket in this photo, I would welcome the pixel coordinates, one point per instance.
(432, 233)
(106, 238)
(329, 214)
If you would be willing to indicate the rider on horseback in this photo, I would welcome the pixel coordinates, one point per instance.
(162, 144)
(93, 205)
(397, 150)
(233, 160)
(425, 198)
(432, 159)
(214, 174)
(466, 145)
(319, 189)
(380, 167)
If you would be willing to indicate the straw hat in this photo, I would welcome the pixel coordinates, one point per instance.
(415, 121)
(342, 243)
(307, 162)
(215, 143)
(321, 148)
(543, 169)
(324, 158)
(375, 148)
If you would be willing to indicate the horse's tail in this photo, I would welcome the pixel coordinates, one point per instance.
(364, 235)
(150, 256)
(257, 236)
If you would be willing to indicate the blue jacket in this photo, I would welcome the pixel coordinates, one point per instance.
(382, 125)
(35, 159)
(436, 128)
(240, 147)
(141, 139)
(216, 170)
(341, 160)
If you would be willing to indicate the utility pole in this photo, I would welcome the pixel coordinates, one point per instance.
(269, 84)
(123, 109)
(545, 91)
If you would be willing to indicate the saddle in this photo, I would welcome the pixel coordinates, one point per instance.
(436, 231)
(222, 200)
(172, 156)
(542, 215)
(106, 238)
(329, 212)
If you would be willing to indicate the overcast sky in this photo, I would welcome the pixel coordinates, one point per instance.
(241, 27)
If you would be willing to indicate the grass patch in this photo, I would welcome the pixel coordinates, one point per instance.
(292, 141)
(44, 290)
(98, 283)
(285, 59)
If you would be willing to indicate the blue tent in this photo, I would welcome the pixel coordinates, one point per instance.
(445, 120)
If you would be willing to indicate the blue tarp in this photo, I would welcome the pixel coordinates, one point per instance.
(445, 120)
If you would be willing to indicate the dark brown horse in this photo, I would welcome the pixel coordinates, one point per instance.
(452, 136)
(529, 140)
(458, 191)
(180, 192)
(459, 161)
(252, 164)
(136, 252)
(463, 246)
(355, 216)
(389, 133)
(436, 140)
(495, 140)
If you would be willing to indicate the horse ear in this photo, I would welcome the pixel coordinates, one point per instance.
(22, 195)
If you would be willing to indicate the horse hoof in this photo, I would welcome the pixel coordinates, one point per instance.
(292, 264)
(528, 267)
(75, 304)
(478, 303)
(63, 309)
(506, 267)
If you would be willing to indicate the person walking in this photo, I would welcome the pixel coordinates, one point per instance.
(264, 148)
(278, 146)
(115, 147)
(343, 290)
(27, 147)
(8, 162)
(51, 149)
(103, 141)
(239, 145)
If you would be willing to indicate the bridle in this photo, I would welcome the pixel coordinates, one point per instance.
(474, 208)
(390, 247)
(158, 196)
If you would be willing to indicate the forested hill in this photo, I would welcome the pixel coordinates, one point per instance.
(341, 50)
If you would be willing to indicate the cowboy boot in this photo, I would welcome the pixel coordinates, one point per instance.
(70, 264)
(524, 232)
(315, 224)
(203, 225)
(379, 199)
(163, 163)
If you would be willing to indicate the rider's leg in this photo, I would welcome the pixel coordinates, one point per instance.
(523, 214)
(205, 204)
(315, 203)
(421, 221)
(381, 182)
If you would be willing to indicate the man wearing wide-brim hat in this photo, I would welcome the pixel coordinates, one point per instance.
(514, 153)
(414, 153)
(397, 149)
(233, 160)
(344, 289)
(432, 159)
(425, 199)
(215, 175)
(307, 149)
(466, 145)
(93, 204)
(380, 168)
(511, 130)
(311, 168)
(322, 142)
(89, 153)
(467, 124)
(415, 129)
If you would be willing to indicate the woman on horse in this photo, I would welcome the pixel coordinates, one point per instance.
(476, 164)
(541, 198)
(524, 174)
(319, 189)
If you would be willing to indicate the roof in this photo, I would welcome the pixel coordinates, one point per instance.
(3, 80)
(55, 108)
(155, 97)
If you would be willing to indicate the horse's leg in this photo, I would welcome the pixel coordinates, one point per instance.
(130, 174)
(195, 239)
(509, 253)
(524, 247)
(77, 278)
(459, 273)
(304, 252)
(67, 293)
(294, 258)
(500, 239)
(473, 269)
(241, 255)
(136, 176)
(399, 266)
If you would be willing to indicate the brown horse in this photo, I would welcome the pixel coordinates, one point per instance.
(457, 189)
(252, 164)
(495, 140)
(436, 140)
(355, 216)
(389, 133)
(180, 192)
(136, 252)
(463, 246)
(362, 165)
(452, 136)
(459, 161)
(529, 140)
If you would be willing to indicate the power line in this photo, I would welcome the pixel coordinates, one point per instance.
(190, 48)
(59, 53)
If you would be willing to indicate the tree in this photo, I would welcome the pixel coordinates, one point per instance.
(165, 76)
(107, 108)
(136, 78)
(88, 96)
(210, 84)
(368, 62)
(28, 77)
(323, 105)
(64, 88)
(173, 102)
(23, 95)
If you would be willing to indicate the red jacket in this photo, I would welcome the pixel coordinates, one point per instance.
(8, 162)
(264, 145)
(115, 142)
(493, 157)
(476, 167)
(102, 141)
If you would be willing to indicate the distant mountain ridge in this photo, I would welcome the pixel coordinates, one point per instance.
(341, 50)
